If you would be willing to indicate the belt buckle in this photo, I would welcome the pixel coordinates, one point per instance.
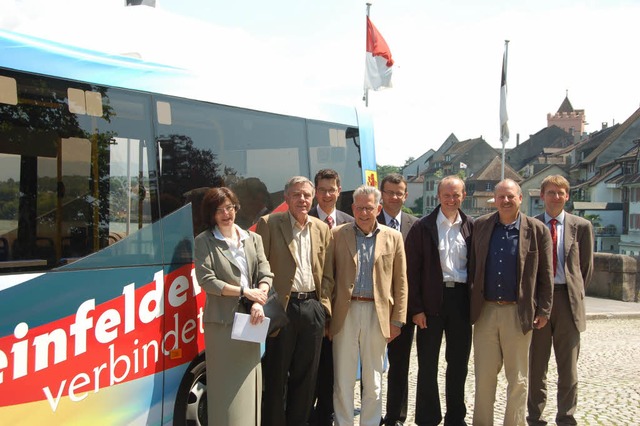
(449, 284)
(303, 296)
(504, 302)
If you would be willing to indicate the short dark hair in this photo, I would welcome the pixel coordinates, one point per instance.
(395, 178)
(214, 199)
(326, 174)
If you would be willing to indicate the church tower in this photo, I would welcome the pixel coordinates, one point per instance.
(568, 119)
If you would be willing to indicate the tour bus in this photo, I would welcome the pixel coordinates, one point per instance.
(103, 163)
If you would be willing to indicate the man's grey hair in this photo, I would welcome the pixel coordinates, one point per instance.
(299, 179)
(367, 190)
(507, 182)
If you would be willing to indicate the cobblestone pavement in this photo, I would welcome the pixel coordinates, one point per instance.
(608, 368)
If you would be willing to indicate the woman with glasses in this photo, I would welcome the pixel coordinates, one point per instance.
(233, 270)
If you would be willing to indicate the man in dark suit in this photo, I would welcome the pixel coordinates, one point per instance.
(511, 283)
(573, 259)
(439, 303)
(327, 192)
(298, 247)
(394, 194)
(328, 189)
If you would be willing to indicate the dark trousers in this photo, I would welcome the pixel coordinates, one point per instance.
(453, 322)
(290, 365)
(322, 413)
(561, 332)
(399, 352)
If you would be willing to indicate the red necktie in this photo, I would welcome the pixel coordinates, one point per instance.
(554, 238)
(329, 221)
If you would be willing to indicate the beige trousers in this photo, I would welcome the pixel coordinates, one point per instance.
(498, 340)
(361, 335)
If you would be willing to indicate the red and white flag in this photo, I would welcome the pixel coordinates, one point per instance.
(379, 62)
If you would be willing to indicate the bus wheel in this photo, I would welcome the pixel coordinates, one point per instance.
(191, 402)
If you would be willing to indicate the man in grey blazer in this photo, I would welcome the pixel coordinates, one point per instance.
(327, 192)
(394, 194)
(297, 246)
(511, 284)
(573, 257)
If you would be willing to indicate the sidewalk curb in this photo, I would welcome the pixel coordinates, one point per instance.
(611, 315)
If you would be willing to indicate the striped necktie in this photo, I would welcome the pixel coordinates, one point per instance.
(329, 221)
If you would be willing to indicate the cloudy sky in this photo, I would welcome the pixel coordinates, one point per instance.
(448, 56)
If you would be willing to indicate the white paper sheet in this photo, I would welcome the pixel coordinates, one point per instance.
(244, 330)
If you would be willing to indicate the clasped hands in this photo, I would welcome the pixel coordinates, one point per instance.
(259, 297)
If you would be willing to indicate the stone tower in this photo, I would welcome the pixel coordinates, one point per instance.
(568, 119)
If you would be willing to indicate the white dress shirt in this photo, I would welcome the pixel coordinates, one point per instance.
(452, 249)
(303, 278)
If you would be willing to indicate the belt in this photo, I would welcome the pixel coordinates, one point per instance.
(502, 302)
(453, 284)
(557, 287)
(303, 295)
(362, 299)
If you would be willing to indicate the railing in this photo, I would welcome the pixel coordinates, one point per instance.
(478, 211)
(606, 231)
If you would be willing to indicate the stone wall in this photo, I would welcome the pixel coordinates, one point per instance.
(615, 276)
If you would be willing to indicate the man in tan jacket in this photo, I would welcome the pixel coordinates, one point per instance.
(369, 305)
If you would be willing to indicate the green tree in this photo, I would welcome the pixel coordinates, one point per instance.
(417, 206)
(387, 170)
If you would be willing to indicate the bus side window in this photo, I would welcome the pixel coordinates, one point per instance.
(75, 173)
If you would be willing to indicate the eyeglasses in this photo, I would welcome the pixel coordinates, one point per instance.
(332, 191)
(554, 194)
(396, 194)
(367, 209)
(227, 209)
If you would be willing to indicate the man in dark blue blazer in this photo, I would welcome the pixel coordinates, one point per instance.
(394, 194)
(328, 189)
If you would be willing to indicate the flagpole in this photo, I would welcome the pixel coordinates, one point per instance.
(504, 138)
(365, 98)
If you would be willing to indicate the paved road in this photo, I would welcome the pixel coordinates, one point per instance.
(609, 387)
